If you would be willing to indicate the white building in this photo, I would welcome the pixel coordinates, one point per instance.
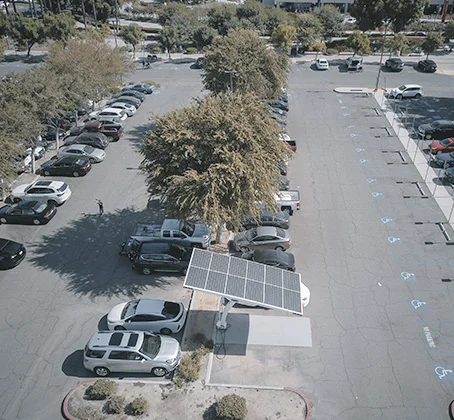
(343, 5)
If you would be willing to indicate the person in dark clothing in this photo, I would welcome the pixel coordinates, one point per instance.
(101, 206)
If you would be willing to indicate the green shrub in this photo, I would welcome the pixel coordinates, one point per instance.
(101, 389)
(331, 51)
(115, 405)
(191, 50)
(189, 369)
(138, 406)
(88, 413)
(231, 407)
(318, 46)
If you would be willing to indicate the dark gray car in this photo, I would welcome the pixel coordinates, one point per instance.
(273, 257)
(280, 219)
(438, 130)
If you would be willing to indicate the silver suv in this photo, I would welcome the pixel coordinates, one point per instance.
(131, 351)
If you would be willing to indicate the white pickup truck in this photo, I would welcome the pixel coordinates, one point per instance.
(288, 201)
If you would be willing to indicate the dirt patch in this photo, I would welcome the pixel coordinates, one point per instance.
(192, 402)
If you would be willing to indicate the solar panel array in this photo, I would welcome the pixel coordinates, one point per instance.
(245, 280)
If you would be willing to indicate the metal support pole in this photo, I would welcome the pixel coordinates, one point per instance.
(450, 213)
(427, 172)
(381, 57)
(231, 73)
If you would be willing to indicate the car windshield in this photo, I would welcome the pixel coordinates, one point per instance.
(40, 208)
(251, 234)
(89, 149)
(435, 124)
(151, 345)
(188, 228)
(403, 87)
(63, 187)
(280, 232)
(445, 142)
(130, 309)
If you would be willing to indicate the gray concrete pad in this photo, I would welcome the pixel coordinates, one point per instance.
(268, 330)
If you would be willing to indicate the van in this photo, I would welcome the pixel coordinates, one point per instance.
(132, 352)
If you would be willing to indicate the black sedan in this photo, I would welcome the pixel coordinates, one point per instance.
(50, 134)
(129, 92)
(66, 166)
(11, 253)
(394, 64)
(427, 66)
(98, 140)
(141, 87)
(273, 257)
(449, 175)
(28, 213)
(275, 103)
(444, 160)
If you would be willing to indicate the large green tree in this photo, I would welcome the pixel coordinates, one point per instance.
(358, 42)
(222, 17)
(309, 29)
(432, 42)
(26, 31)
(448, 31)
(203, 36)
(283, 36)
(169, 38)
(214, 160)
(401, 13)
(331, 20)
(133, 35)
(273, 18)
(369, 14)
(251, 15)
(59, 27)
(256, 68)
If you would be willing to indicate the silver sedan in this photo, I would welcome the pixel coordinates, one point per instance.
(82, 150)
(262, 237)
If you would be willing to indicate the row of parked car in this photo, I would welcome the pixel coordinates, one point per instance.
(84, 145)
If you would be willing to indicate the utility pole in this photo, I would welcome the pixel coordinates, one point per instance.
(381, 56)
(94, 14)
(231, 73)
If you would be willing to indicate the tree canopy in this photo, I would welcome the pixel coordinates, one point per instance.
(432, 42)
(309, 29)
(283, 36)
(358, 41)
(331, 20)
(369, 14)
(26, 31)
(256, 67)
(222, 17)
(132, 35)
(216, 159)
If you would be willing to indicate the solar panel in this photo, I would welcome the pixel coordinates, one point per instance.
(244, 280)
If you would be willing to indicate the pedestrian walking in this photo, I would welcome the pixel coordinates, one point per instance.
(101, 206)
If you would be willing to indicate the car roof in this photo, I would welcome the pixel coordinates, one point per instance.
(429, 61)
(125, 339)
(266, 230)
(413, 86)
(92, 124)
(150, 306)
(273, 254)
(48, 183)
(90, 135)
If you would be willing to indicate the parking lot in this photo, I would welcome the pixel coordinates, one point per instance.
(359, 246)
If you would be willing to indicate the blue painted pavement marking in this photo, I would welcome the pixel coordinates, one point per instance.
(444, 373)
(407, 276)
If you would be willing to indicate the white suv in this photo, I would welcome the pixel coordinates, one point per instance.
(407, 91)
(55, 192)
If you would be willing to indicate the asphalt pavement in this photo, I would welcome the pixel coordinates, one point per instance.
(380, 306)
(72, 275)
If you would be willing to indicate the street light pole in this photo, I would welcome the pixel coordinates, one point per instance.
(231, 74)
(381, 57)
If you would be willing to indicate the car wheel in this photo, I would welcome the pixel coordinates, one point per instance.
(279, 248)
(244, 249)
(428, 136)
(36, 222)
(91, 160)
(46, 173)
(399, 97)
(146, 271)
(418, 95)
(3, 220)
(119, 328)
(75, 174)
(158, 371)
(101, 371)
(166, 331)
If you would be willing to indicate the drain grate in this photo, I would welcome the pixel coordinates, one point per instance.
(446, 280)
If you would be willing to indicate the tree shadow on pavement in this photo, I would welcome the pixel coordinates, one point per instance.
(85, 253)
(136, 134)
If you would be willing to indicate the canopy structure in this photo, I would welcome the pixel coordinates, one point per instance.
(243, 281)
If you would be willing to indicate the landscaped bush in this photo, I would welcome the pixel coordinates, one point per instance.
(189, 368)
(331, 51)
(88, 413)
(231, 407)
(137, 407)
(101, 389)
(115, 405)
(191, 50)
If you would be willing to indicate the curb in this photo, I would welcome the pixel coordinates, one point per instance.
(353, 90)
(64, 407)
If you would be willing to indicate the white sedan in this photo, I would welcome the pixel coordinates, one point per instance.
(322, 64)
(128, 108)
(82, 150)
(153, 315)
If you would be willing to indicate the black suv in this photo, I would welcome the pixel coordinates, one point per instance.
(161, 256)
(11, 253)
(427, 66)
(394, 64)
(438, 130)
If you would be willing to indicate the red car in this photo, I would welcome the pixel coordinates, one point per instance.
(442, 146)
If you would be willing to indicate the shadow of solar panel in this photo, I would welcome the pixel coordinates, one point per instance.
(220, 263)
(201, 258)
(216, 282)
(237, 267)
(196, 277)
(256, 271)
(254, 291)
(273, 295)
(235, 286)
(292, 301)
(273, 276)
(291, 281)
